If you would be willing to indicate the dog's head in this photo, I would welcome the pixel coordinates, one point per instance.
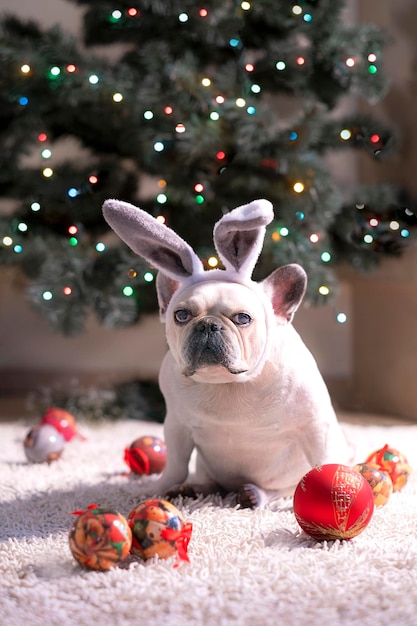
(218, 322)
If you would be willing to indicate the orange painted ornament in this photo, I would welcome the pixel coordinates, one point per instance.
(394, 462)
(158, 528)
(379, 480)
(333, 502)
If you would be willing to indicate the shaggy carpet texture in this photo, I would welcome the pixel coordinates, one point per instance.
(246, 567)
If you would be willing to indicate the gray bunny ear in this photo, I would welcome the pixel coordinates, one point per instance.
(152, 240)
(239, 236)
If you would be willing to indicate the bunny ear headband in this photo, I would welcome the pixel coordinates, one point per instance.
(238, 238)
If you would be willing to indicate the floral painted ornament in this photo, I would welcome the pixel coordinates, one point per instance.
(394, 462)
(99, 538)
(146, 455)
(158, 529)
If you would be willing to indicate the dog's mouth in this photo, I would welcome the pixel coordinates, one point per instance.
(209, 350)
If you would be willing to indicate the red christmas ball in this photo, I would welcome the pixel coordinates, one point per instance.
(333, 502)
(146, 455)
(394, 462)
(62, 420)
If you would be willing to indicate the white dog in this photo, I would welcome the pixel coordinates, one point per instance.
(240, 385)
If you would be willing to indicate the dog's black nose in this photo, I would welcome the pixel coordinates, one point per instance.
(209, 324)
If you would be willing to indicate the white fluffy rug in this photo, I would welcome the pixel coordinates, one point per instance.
(248, 568)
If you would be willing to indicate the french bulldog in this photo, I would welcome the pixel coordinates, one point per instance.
(240, 385)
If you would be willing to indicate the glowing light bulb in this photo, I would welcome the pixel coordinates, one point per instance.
(341, 318)
(280, 65)
(25, 68)
(162, 183)
(72, 192)
(48, 172)
(206, 82)
(214, 116)
(212, 261)
(372, 69)
(180, 128)
(298, 187)
(161, 198)
(326, 257)
(168, 110)
(148, 115)
(93, 180)
(249, 67)
(220, 155)
(100, 246)
(394, 225)
(161, 219)
(47, 295)
(116, 15)
(148, 277)
(284, 232)
(73, 230)
(371, 57)
(198, 187)
(234, 42)
(275, 236)
(71, 68)
(158, 146)
(220, 99)
(183, 17)
(240, 102)
(203, 12)
(297, 10)
(199, 199)
(73, 241)
(22, 226)
(324, 290)
(132, 12)
(245, 6)
(251, 110)
(23, 100)
(314, 238)
(368, 239)
(35, 206)
(7, 241)
(255, 88)
(128, 291)
(46, 154)
(117, 97)
(300, 60)
(375, 138)
(373, 222)
(405, 233)
(55, 71)
(42, 137)
(345, 134)
(18, 248)
(93, 79)
(67, 291)
(350, 62)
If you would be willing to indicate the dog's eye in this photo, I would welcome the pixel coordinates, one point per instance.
(182, 316)
(241, 319)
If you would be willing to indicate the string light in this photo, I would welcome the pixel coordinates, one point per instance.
(168, 110)
(72, 192)
(67, 291)
(220, 155)
(18, 248)
(350, 62)
(324, 290)
(368, 239)
(372, 69)
(162, 183)
(46, 154)
(251, 110)
(199, 199)
(71, 68)
(25, 69)
(54, 71)
(214, 116)
(199, 187)
(341, 318)
(161, 219)
(394, 225)
(206, 82)
(183, 17)
(203, 12)
(132, 12)
(158, 146)
(375, 138)
(298, 187)
(35, 206)
(240, 102)
(345, 134)
(23, 100)
(212, 261)
(249, 67)
(326, 257)
(48, 172)
(245, 6)
(180, 128)
(116, 15)
(255, 88)
(47, 295)
(22, 226)
(128, 291)
(300, 60)
(117, 97)
(220, 99)
(148, 277)
(73, 230)
(7, 241)
(372, 57)
(314, 238)
(161, 198)
(42, 137)
(93, 180)
(373, 222)
(93, 79)
(100, 246)
(148, 115)
(233, 42)
(73, 241)
(297, 10)
(284, 232)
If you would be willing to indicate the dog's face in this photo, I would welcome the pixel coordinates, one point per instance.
(217, 331)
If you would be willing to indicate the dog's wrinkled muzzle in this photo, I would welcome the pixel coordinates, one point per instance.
(208, 346)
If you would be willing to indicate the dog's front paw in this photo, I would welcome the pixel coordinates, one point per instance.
(250, 497)
(184, 490)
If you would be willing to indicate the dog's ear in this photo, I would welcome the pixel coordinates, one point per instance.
(165, 288)
(239, 236)
(285, 288)
(152, 240)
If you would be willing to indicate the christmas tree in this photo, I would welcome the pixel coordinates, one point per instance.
(206, 108)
